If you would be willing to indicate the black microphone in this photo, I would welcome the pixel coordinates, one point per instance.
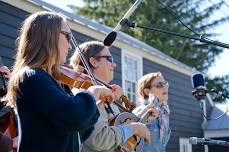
(197, 80)
(109, 39)
(198, 84)
(207, 141)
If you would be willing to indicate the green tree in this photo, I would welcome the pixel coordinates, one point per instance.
(220, 85)
(153, 13)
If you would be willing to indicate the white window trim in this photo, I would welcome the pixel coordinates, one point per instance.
(185, 141)
(138, 57)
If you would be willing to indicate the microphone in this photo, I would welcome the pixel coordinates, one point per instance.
(198, 84)
(109, 39)
(207, 141)
(197, 80)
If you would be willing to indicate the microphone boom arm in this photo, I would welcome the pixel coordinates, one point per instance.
(200, 38)
(110, 38)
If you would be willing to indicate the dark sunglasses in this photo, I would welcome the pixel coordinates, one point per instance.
(161, 84)
(108, 57)
(67, 35)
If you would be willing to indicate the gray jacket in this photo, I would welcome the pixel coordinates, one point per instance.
(104, 138)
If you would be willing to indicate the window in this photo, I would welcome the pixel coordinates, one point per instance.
(131, 69)
(185, 146)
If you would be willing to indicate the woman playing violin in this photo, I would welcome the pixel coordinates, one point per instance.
(105, 138)
(48, 117)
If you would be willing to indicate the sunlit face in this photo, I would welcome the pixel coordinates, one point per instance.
(159, 88)
(64, 42)
(103, 67)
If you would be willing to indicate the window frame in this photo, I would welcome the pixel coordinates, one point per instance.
(139, 59)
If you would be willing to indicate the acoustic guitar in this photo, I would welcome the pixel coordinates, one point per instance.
(134, 143)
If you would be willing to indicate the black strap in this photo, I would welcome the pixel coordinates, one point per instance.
(109, 109)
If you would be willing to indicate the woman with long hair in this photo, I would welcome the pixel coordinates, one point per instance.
(49, 118)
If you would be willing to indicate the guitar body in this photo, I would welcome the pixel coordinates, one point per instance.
(134, 143)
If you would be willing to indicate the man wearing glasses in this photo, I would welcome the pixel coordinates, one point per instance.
(105, 138)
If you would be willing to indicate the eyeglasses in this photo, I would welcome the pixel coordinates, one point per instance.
(108, 57)
(161, 84)
(67, 35)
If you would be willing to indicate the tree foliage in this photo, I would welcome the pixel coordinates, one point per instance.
(154, 13)
(220, 86)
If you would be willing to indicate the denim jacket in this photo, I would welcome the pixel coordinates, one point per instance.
(157, 144)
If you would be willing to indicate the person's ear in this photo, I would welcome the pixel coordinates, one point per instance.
(93, 62)
(146, 91)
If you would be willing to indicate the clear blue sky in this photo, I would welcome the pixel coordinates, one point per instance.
(221, 66)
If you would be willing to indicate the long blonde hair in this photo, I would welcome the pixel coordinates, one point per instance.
(145, 82)
(37, 47)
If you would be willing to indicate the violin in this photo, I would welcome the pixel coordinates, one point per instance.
(76, 78)
(73, 78)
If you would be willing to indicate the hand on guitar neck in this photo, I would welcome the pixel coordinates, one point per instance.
(149, 112)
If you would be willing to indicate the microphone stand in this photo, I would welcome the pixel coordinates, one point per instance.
(207, 141)
(200, 38)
